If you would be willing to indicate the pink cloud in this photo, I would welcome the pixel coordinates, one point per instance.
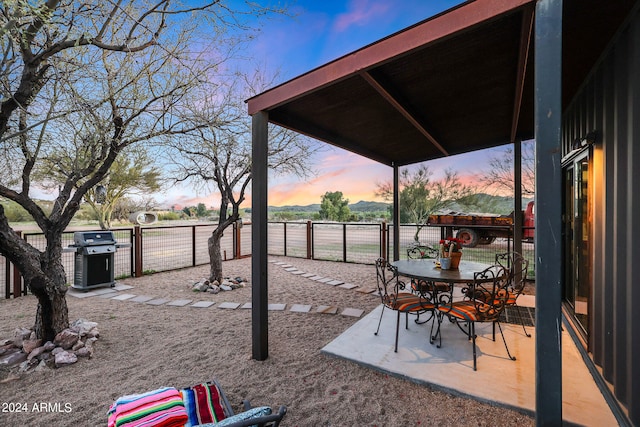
(361, 12)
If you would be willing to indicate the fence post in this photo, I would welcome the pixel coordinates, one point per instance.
(309, 240)
(193, 245)
(237, 235)
(383, 240)
(285, 238)
(344, 242)
(137, 247)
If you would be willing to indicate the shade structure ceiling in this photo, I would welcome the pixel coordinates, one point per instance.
(460, 81)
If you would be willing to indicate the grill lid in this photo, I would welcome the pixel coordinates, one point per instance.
(93, 238)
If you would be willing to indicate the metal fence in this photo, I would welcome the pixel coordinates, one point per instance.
(155, 249)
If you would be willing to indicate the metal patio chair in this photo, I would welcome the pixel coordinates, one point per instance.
(518, 268)
(485, 301)
(394, 297)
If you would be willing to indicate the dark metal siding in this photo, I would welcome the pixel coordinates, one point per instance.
(609, 102)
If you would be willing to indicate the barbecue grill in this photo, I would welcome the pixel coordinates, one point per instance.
(94, 255)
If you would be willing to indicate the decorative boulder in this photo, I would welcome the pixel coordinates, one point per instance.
(65, 358)
(66, 339)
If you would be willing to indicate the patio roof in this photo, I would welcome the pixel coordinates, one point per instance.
(457, 82)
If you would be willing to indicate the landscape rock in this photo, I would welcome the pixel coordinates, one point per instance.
(77, 346)
(29, 345)
(13, 359)
(201, 286)
(214, 289)
(36, 352)
(65, 358)
(83, 327)
(48, 346)
(226, 287)
(84, 352)
(66, 339)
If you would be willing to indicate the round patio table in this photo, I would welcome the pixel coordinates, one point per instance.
(425, 269)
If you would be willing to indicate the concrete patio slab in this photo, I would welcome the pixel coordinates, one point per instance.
(451, 367)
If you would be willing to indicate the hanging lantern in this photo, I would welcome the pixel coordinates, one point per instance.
(101, 194)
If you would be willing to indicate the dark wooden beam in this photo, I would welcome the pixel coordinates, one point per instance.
(395, 103)
(523, 59)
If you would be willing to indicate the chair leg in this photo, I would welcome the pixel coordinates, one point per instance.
(523, 328)
(505, 343)
(472, 328)
(438, 317)
(397, 331)
(379, 322)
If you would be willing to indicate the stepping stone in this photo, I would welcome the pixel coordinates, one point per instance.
(335, 282)
(286, 265)
(202, 304)
(279, 262)
(352, 312)
(229, 305)
(276, 307)
(107, 295)
(179, 302)
(291, 269)
(103, 291)
(159, 301)
(348, 286)
(142, 298)
(246, 305)
(327, 309)
(123, 297)
(324, 280)
(296, 272)
(316, 277)
(366, 290)
(121, 287)
(80, 294)
(308, 275)
(300, 308)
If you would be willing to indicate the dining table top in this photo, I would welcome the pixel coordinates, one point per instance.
(427, 269)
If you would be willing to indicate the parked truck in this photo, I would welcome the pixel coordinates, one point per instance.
(476, 230)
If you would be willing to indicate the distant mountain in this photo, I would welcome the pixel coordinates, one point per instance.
(479, 203)
(361, 206)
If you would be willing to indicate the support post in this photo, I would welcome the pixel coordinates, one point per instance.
(548, 235)
(396, 213)
(518, 222)
(259, 294)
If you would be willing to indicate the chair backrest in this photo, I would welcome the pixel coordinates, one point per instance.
(420, 252)
(490, 293)
(518, 268)
(387, 279)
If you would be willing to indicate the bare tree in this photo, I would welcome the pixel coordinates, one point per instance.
(80, 82)
(218, 153)
(421, 196)
(500, 173)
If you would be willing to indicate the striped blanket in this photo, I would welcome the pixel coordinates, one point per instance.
(204, 404)
(159, 408)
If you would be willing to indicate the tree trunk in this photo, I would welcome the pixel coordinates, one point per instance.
(52, 315)
(215, 257)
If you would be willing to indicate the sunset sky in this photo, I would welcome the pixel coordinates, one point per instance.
(319, 32)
